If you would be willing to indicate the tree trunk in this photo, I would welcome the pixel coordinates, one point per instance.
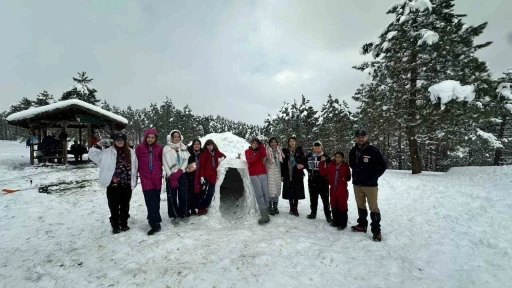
(498, 153)
(414, 151)
(400, 153)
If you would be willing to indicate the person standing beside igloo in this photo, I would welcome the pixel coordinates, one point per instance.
(273, 163)
(293, 174)
(255, 156)
(175, 162)
(208, 163)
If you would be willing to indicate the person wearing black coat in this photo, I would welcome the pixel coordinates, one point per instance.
(292, 173)
(193, 183)
(367, 166)
(318, 184)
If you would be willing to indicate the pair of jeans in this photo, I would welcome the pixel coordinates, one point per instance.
(152, 199)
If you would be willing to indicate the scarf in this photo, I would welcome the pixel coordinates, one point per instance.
(277, 155)
(213, 158)
(181, 147)
(336, 176)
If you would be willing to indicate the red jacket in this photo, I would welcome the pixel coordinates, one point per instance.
(150, 172)
(255, 160)
(207, 170)
(339, 192)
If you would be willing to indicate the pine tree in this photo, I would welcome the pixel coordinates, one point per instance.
(44, 98)
(503, 110)
(82, 90)
(335, 126)
(426, 44)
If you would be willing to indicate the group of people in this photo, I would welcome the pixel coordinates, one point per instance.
(191, 172)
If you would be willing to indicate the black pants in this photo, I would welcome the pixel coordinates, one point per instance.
(152, 198)
(177, 198)
(193, 198)
(119, 205)
(321, 190)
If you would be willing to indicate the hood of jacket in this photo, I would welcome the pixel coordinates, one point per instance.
(147, 132)
(170, 143)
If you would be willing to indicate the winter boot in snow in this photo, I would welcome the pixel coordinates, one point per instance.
(271, 209)
(265, 218)
(335, 220)
(184, 219)
(362, 222)
(158, 227)
(116, 229)
(375, 216)
(175, 221)
(153, 230)
(124, 225)
(312, 215)
(342, 219)
(328, 217)
(295, 209)
(202, 212)
(276, 210)
(377, 237)
(125, 228)
(292, 209)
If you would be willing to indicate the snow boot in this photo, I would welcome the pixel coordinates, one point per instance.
(312, 215)
(125, 228)
(335, 220)
(342, 219)
(292, 209)
(202, 212)
(375, 216)
(184, 219)
(377, 237)
(276, 210)
(328, 217)
(271, 209)
(193, 212)
(116, 229)
(295, 210)
(158, 227)
(362, 222)
(154, 229)
(265, 218)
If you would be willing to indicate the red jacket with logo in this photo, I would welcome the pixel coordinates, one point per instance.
(255, 161)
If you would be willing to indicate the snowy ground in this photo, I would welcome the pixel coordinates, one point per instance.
(440, 230)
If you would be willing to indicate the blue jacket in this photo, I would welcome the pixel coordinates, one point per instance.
(367, 165)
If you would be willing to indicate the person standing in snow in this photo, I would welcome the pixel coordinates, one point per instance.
(293, 175)
(118, 173)
(175, 158)
(149, 156)
(255, 156)
(338, 174)
(317, 183)
(273, 164)
(209, 161)
(367, 166)
(193, 178)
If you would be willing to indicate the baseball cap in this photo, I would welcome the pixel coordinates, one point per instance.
(317, 143)
(119, 136)
(360, 133)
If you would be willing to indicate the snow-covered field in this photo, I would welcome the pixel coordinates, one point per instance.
(439, 230)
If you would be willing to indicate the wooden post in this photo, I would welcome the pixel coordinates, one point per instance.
(32, 132)
(64, 144)
(89, 136)
(80, 135)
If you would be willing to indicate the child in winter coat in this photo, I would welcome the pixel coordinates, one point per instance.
(118, 173)
(273, 163)
(149, 156)
(193, 178)
(208, 164)
(255, 156)
(175, 160)
(338, 174)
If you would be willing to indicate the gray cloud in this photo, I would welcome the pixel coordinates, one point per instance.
(239, 59)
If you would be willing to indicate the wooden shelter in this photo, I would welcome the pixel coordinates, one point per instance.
(69, 114)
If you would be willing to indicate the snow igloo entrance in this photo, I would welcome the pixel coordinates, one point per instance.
(234, 196)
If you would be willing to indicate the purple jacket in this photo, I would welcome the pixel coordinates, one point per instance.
(150, 163)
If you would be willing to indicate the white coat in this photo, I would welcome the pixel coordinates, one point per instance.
(106, 160)
(170, 155)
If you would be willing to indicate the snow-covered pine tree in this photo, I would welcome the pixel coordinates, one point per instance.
(503, 109)
(305, 122)
(335, 126)
(425, 44)
(104, 105)
(44, 98)
(82, 90)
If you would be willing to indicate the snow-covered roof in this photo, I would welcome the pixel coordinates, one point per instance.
(29, 113)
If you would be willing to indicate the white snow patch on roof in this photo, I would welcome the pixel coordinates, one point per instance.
(63, 104)
(448, 90)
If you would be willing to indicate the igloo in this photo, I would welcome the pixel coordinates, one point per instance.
(234, 197)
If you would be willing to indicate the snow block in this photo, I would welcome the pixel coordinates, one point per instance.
(234, 196)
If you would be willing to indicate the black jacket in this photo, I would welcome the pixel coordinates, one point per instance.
(312, 167)
(293, 189)
(367, 165)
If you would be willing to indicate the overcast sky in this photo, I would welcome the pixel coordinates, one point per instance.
(239, 59)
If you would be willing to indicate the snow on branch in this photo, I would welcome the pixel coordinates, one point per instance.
(421, 5)
(391, 35)
(495, 143)
(428, 36)
(505, 89)
(448, 90)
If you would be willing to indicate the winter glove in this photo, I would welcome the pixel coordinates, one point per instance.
(173, 179)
